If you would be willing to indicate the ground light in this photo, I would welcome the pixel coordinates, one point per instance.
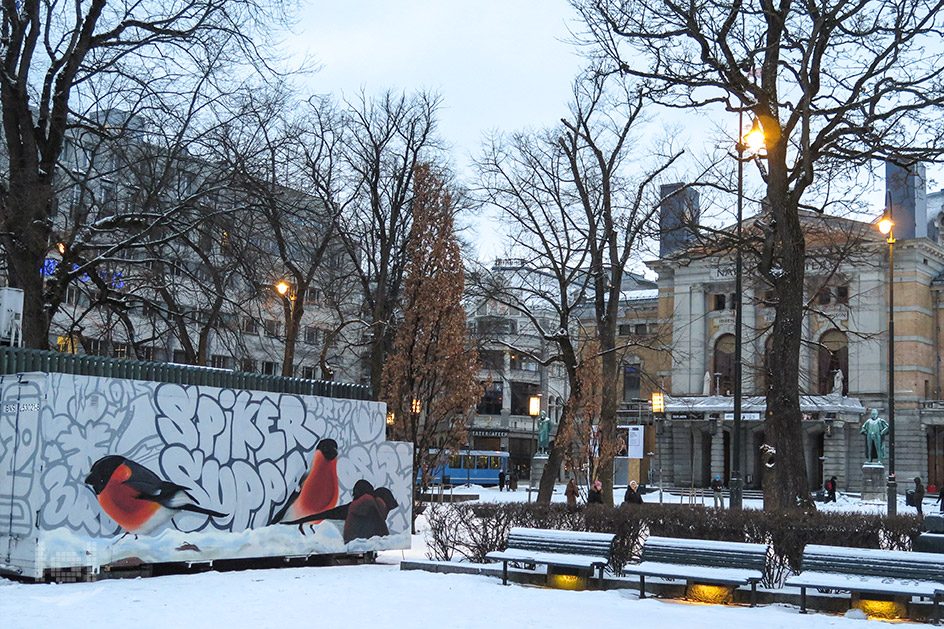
(886, 610)
(704, 593)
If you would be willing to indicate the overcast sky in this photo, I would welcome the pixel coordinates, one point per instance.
(498, 65)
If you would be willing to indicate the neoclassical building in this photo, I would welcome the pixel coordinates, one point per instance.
(844, 356)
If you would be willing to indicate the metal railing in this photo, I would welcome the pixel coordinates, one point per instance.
(15, 360)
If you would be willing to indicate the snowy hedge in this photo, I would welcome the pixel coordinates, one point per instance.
(468, 531)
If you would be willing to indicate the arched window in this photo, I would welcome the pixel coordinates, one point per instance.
(723, 373)
(832, 357)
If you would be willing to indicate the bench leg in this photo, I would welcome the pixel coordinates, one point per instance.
(753, 593)
(802, 600)
(642, 586)
(936, 619)
(505, 572)
(600, 583)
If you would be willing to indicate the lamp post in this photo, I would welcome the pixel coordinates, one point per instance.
(291, 328)
(534, 409)
(887, 226)
(753, 140)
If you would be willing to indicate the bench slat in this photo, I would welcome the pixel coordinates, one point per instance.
(860, 583)
(704, 574)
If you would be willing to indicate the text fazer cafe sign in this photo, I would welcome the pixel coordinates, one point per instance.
(488, 432)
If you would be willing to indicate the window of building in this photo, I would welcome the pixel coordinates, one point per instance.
(247, 365)
(309, 372)
(624, 329)
(523, 363)
(521, 392)
(272, 327)
(180, 357)
(312, 297)
(492, 359)
(723, 372)
(631, 382)
(312, 335)
(842, 294)
(147, 353)
(641, 329)
(66, 344)
(270, 368)
(823, 295)
(249, 326)
(92, 347)
(219, 361)
(832, 357)
(119, 350)
(719, 301)
(491, 402)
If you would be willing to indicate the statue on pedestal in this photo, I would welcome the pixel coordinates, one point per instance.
(875, 428)
(544, 429)
(837, 383)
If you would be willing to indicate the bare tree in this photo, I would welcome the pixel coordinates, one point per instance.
(834, 87)
(387, 137)
(579, 215)
(64, 72)
(429, 379)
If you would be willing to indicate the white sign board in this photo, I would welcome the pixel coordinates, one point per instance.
(635, 443)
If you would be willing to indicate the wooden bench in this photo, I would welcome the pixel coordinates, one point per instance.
(867, 570)
(568, 549)
(701, 561)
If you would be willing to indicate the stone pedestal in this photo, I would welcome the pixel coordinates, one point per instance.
(873, 482)
(538, 463)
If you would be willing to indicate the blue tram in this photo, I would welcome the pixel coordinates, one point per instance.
(477, 467)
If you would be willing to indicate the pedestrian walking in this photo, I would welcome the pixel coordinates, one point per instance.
(501, 480)
(513, 481)
(595, 495)
(717, 486)
(830, 487)
(633, 495)
(918, 494)
(571, 493)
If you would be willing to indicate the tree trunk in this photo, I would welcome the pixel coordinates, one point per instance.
(785, 482)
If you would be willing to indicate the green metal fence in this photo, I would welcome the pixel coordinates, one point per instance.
(22, 360)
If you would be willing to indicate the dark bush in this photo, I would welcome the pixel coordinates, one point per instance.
(472, 530)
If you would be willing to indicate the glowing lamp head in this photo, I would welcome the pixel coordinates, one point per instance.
(754, 139)
(281, 288)
(885, 225)
(658, 403)
(416, 406)
(534, 405)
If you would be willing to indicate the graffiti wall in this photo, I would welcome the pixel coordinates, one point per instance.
(94, 471)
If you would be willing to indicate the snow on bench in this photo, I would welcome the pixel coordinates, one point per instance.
(569, 549)
(701, 561)
(870, 570)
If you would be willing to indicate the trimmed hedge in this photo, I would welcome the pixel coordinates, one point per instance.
(471, 530)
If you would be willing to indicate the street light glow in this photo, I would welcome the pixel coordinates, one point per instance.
(754, 139)
(281, 288)
(534, 405)
(885, 225)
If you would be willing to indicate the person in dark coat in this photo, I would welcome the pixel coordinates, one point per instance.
(830, 487)
(918, 494)
(940, 497)
(633, 496)
(513, 480)
(501, 480)
(595, 495)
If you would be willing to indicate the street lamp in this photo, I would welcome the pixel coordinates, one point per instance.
(534, 409)
(287, 292)
(753, 140)
(887, 227)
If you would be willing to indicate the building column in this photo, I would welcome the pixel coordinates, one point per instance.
(717, 450)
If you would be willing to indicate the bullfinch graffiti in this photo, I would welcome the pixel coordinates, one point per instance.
(364, 517)
(318, 489)
(136, 498)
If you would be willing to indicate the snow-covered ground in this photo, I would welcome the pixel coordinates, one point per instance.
(376, 596)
